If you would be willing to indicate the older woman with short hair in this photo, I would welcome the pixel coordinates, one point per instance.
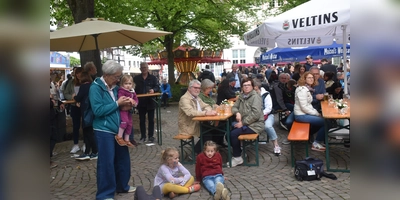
(206, 86)
(113, 164)
(249, 117)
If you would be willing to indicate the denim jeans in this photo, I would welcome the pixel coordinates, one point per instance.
(235, 143)
(210, 182)
(113, 166)
(315, 121)
(268, 125)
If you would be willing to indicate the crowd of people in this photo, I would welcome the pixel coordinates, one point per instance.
(103, 108)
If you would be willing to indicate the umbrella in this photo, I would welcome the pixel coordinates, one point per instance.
(314, 23)
(93, 33)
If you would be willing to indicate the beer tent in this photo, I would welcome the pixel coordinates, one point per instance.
(314, 23)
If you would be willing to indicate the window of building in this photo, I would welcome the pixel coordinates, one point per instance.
(242, 53)
(129, 63)
(280, 2)
(243, 61)
(235, 61)
(234, 53)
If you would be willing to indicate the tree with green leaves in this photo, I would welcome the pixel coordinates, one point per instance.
(212, 21)
(74, 61)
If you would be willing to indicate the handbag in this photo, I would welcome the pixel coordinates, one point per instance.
(88, 116)
(308, 169)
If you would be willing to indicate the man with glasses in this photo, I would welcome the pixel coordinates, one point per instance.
(190, 105)
(236, 75)
(319, 92)
(146, 83)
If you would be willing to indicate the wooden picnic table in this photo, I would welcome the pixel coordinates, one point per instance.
(226, 129)
(329, 112)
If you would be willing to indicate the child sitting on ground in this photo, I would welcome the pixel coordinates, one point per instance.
(126, 89)
(169, 176)
(209, 171)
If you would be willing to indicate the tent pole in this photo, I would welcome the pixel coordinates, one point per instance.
(345, 57)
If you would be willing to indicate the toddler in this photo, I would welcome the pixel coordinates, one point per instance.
(172, 177)
(126, 89)
(209, 171)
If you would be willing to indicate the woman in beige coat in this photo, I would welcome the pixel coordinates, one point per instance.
(249, 117)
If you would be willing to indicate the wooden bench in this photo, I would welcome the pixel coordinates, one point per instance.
(186, 140)
(300, 132)
(249, 140)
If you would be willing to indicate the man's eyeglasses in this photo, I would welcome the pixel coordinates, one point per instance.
(247, 85)
(197, 88)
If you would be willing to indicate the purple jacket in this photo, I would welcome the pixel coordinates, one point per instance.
(123, 92)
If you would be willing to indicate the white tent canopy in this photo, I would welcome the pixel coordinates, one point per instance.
(314, 23)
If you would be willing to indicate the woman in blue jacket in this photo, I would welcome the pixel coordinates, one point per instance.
(166, 92)
(113, 163)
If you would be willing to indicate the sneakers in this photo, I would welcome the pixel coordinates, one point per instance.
(283, 125)
(194, 188)
(285, 141)
(236, 161)
(277, 151)
(131, 189)
(83, 157)
(151, 140)
(93, 156)
(83, 148)
(317, 147)
(142, 140)
(225, 194)
(75, 149)
(218, 192)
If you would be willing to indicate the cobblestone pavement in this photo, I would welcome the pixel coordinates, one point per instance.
(272, 179)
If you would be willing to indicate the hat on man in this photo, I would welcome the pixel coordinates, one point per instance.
(309, 56)
(232, 79)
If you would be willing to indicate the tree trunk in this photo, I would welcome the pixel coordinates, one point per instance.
(82, 9)
(168, 43)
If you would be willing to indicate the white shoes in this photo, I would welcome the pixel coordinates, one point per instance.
(75, 149)
(236, 161)
(83, 148)
(277, 151)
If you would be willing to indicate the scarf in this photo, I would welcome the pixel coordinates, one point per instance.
(312, 90)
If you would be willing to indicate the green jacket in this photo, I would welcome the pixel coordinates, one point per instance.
(105, 109)
(251, 110)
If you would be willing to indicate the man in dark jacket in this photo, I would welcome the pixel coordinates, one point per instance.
(327, 67)
(146, 83)
(309, 63)
(236, 75)
(207, 74)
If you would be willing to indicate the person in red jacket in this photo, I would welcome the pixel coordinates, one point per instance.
(209, 171)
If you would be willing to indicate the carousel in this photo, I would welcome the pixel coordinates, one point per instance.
(186, 60)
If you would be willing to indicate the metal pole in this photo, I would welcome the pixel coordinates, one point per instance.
(344, 58)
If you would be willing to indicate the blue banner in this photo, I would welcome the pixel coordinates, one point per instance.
(299, 54)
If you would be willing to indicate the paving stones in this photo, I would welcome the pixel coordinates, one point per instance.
(273, 179)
